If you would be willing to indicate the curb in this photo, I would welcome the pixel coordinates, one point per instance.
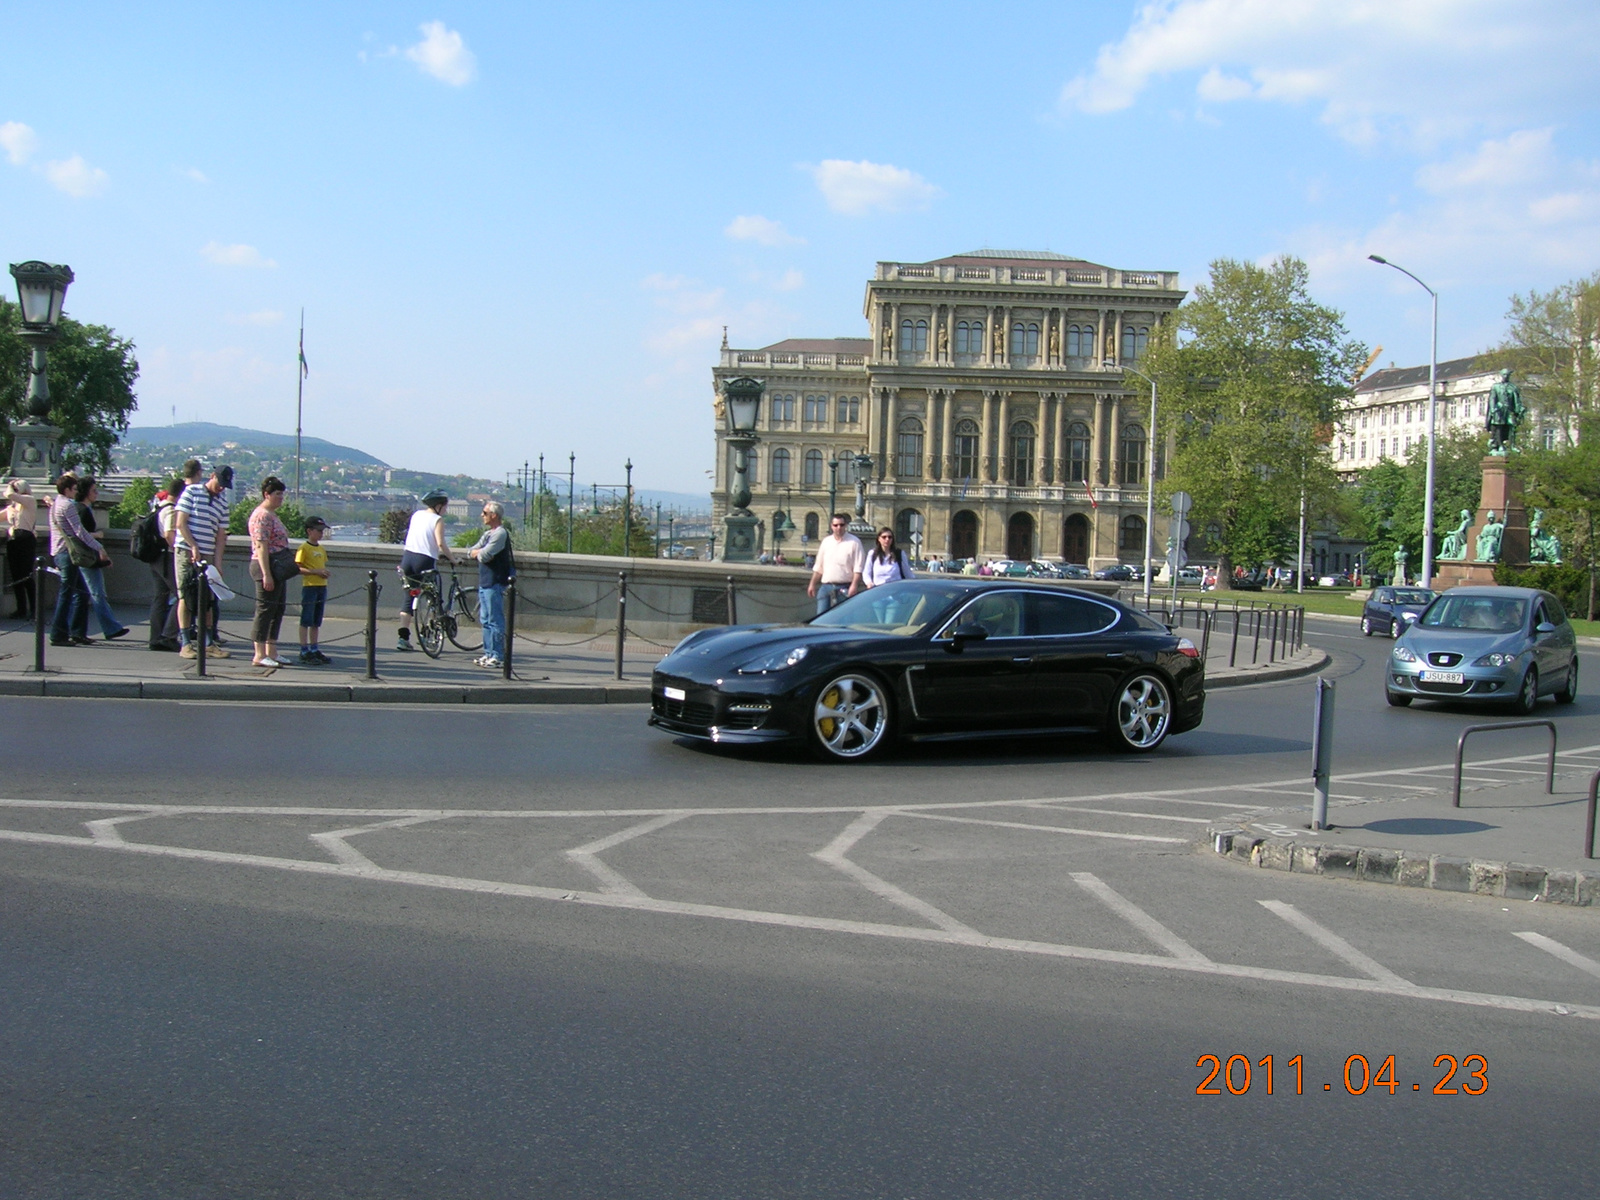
(266, 691)
(1241, 676)
(1439, 872)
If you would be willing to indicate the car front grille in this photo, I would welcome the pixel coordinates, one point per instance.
(1443, 659)
(686, 711)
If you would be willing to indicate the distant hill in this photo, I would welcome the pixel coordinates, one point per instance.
(203, 435)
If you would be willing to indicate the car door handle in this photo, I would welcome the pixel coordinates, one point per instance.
(1116, 654)
(1022, 660)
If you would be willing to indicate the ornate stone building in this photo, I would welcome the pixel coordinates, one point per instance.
(991, 397)
(1388, 414)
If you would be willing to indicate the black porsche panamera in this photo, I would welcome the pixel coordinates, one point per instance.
(935, 659)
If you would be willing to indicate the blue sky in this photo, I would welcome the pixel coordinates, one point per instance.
(521, 228)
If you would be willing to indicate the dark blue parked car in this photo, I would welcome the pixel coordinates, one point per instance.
(1390, 609)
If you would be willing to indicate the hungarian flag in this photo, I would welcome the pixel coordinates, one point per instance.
(304, 370)
(1093, 503)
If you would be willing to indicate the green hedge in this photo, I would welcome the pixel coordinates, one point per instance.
(1567, 580)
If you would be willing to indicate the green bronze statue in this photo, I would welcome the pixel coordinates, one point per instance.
(1505, 414)
(1489, 539)
(1400, 567)
(1455, 542)
(1542, 547)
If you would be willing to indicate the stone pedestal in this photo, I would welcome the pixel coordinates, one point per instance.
(1502, 495)
(741, 537)
(35, 452)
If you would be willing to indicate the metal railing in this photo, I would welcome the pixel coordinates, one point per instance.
(1282, 625)
(1461, 747)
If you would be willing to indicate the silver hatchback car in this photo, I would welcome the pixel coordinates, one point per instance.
(1503, 645)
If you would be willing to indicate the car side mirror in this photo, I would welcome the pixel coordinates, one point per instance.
(962, 634)
(1545, 627)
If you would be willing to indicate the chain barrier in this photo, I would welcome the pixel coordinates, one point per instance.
(524, 598)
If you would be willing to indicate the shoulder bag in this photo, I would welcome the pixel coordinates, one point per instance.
(283, 565)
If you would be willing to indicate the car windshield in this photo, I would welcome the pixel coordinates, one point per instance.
(902, 609)
(1417, 596)
(1489, 614)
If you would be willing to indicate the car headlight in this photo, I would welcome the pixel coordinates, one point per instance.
(778, 660)
(1403, 654)
(1496, 659)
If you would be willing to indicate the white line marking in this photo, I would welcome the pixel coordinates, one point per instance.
(1137, 917)
(1565, 953)
(1116, 812)
(834, 855)
(333, 841)
(1333, 942)
(610, 880)
(105, 830)
(826, 924)
(1096, 833)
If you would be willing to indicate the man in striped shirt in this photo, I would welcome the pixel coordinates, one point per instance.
(202, 539)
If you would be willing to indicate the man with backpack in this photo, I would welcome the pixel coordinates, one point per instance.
(150, 541)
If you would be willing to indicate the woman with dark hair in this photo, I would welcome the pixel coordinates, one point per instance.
(268, 536)
(886, 562)
(94, 580)
(18, 512)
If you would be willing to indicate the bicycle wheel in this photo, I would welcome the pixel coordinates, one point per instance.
(430, 630)
(465, 631)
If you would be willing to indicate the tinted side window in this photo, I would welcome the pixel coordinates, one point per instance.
(1053, 616)
(999, 613)
(1558, 615)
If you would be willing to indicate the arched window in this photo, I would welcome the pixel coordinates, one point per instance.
(847, 468)
(1080, 341)
(966, 450)
(813, 475)
(1025, 339)
(815, 411)
(781, 411)
(1135, 340)
(908, 450)
(1077, 452)
(849, 410)
(780, 466)
(1019, 454)
(1132, 454)
(1132, 535)
(969, 337)
(913, 336)
(811, 527)
(752, 465)
(906, 522)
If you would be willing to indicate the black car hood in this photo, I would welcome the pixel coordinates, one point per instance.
(744, 642)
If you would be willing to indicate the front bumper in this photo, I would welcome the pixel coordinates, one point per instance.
(1478, 683)
(752, 715)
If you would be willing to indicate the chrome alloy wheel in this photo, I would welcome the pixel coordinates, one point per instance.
(1143, 713)
(850, 717)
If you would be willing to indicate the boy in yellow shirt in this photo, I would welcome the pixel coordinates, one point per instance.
(312, 558)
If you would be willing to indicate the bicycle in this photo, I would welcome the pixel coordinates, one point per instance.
(453, 615)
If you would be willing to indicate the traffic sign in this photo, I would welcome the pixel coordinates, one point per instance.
(1182, 502)
(1180, 530)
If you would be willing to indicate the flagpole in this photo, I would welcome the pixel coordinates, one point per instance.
(299, 402)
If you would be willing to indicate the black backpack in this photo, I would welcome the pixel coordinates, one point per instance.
(145, 541)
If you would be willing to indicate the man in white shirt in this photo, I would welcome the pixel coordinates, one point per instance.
(840, 558)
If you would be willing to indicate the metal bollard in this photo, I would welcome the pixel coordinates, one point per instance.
(622, 616)
(511, 626)
(201, 592)
(1272, 639)
(39, 572)
(733, 608)
(1255, 646)
(1321, 752)
(1233, 649)
(372, 624)
(1206, 621)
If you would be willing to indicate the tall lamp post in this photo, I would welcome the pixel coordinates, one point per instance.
(1433, 380)
(627, 512)
(35, 443)
(859, 526)
(833, 485)
(741, 539)
(1149, 477)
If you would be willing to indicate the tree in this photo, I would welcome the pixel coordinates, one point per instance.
(1385, 507)
(1565, 483)
(1553, 347)
(1257, 377)
(92, 372)
(135, 502)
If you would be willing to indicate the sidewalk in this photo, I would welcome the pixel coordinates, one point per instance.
(1508, 838)
(547, 668)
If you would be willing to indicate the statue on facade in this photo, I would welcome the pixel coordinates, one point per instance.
(1055, 342)
(1542, 547)
(1400, 567)
(999, 339)
(888, 339)
(944, 340)
(1489, 539)
(1455, 542)
(1111, 346)
(1505, 414)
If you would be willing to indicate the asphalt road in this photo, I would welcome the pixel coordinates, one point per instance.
(366, 952)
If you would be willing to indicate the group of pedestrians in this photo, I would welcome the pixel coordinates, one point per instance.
(845, 567)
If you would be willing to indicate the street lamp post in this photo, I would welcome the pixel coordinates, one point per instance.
(572, 474)
(35, 443)
(627, 512)
(833, 485)
(1433, 381)
(1149, 477)
(859, 526)
(741, 540)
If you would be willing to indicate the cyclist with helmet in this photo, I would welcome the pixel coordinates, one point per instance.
(425, 546)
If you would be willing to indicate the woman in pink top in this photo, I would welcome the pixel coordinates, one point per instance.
(267, 535)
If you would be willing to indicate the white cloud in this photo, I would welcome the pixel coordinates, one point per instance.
(1527, 156)
(238, 255)
(18, 141)
(761, 230)
(791, 281)
(194, 173)
(703, 331)
(1413, 70)
(76, 177)
(265, 316)
(444, 55)
(858, 188)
